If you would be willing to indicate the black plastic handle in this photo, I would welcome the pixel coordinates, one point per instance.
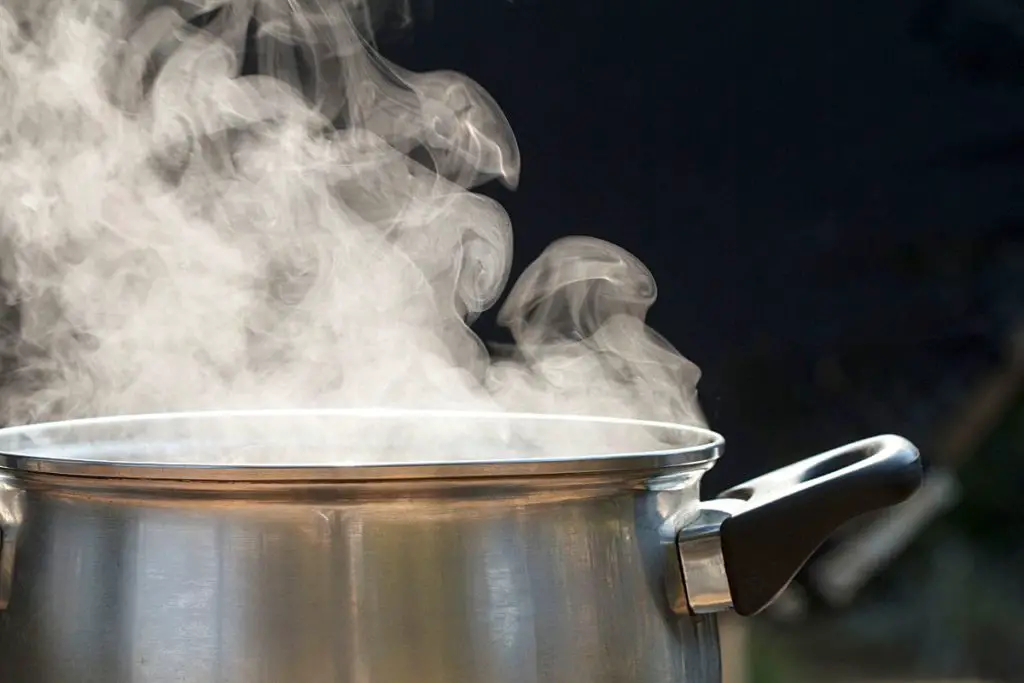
(790, 512)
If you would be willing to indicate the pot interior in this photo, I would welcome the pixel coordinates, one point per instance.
(351, 438)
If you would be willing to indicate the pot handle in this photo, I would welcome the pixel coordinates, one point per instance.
(12, 506)
(746, 546)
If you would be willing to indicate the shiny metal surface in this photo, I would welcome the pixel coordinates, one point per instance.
(12, 501)
(496, 574)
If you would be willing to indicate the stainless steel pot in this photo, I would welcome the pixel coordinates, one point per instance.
(125, 559)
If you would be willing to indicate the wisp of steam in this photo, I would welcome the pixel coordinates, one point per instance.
(240, 204)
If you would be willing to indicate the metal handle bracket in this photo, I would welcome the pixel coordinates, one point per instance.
(745, 547)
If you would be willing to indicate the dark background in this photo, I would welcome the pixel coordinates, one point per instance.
(829, 194)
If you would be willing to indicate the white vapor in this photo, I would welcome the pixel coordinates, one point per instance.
(178, 235)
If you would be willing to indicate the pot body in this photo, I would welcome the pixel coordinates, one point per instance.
(512, 580)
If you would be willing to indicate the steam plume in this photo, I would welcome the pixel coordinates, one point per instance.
(180, 236)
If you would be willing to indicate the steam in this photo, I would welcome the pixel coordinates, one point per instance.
(180, 236)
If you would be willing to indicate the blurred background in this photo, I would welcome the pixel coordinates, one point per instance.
(831, 197)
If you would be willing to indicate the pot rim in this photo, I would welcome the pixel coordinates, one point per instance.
(42, 458)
